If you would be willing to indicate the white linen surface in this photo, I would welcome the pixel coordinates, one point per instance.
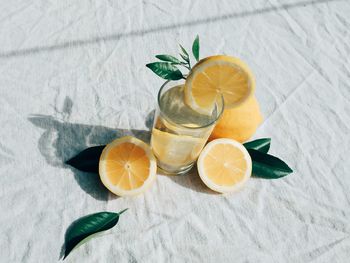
(73, 75)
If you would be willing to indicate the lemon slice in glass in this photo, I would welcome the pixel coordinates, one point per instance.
(216, 75)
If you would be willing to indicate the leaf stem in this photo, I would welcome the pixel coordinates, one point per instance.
(123, 211)
(185, 65)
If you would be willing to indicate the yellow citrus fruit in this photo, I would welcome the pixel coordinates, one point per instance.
(175, 149)
(224, 165)
(239, 123)
(127, 166)
(216, 75)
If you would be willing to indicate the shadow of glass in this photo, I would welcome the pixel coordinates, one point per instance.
(63, 140)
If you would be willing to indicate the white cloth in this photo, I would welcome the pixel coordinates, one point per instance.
(73, 75)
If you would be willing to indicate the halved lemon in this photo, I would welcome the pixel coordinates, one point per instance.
(224, 165)
(127, 166)
(216, 75)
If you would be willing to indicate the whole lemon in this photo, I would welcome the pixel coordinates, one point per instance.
(239, 123)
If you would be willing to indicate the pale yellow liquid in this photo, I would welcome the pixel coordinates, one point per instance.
(177, 138)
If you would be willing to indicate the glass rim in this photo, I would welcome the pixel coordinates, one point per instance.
(184, 126)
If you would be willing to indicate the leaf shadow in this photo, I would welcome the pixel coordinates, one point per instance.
(62, 140)
(63, 248)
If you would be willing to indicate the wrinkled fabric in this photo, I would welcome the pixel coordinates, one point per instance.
(73, 75)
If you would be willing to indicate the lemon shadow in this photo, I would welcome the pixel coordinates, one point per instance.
(190, 180)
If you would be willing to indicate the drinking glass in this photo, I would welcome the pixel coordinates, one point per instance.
(180, 133)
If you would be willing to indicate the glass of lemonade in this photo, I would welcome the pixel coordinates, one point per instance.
(180, 133)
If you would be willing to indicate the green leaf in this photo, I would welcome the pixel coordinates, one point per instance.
(195, 48)
(184, 51)
(165, 70)
(87, 160)
(268, 166)
(83, 228)
(169, 58)
(186, 59)
(262, 145)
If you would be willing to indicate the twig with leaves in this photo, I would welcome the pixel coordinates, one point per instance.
(168, 68)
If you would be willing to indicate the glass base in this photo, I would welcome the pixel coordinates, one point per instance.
(167, 170)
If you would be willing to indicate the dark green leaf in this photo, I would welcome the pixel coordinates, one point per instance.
(87, 160)
(195, 48)
(262, 145)
(169, 58)
(86, 226)
(268, 166)
(165, 70)
(184, 51)
(186, 59)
